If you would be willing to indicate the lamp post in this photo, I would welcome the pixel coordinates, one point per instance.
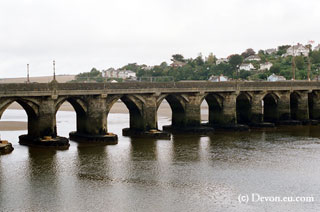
(54, 70)
(293, 64)
(28, 79)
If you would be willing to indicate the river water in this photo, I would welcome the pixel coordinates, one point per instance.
(186, 173)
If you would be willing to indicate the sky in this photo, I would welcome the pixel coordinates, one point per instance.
(81, 34)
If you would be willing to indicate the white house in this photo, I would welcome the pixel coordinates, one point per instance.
(246, 67)
(317, 48)
(265, 66)
(124, 74)
(176, 64)
(222, 60)
(297, 50)
(253, 58)
(274, 78)
(270, 51)
(220, 78)
(108, 73)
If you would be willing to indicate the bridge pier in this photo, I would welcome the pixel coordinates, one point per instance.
(299, 106)
(284, 107)
(257, 108)
(143, 119)
(228, 114)
(42, 130)
(92, 127)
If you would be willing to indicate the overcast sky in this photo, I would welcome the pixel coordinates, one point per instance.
(81, 34)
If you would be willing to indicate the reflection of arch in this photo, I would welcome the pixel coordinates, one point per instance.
(243, 108)
(177, 104)
(294, 104)
(30, 106)
(215, 103)
(270, 107)
(134, 103)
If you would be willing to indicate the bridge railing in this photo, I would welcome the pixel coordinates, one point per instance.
(158, 85)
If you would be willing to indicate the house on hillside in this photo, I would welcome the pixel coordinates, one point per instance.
(317, 48)
(222, 60)
(220, 78)
(176, 64)
(246, 67)
(265, 66)
(123, 74)
(270, 51)
(253, 58)
(297, 50)
(274, 78)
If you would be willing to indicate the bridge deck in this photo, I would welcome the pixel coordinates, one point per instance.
(47, 89)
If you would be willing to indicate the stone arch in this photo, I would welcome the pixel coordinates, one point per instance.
(243, 108)
(314, 109)
(294, 105)
(270, 107)
(177, 104)
(78, 104)
(215, 103)
(80, 107)
(134, 103)
(30, 106)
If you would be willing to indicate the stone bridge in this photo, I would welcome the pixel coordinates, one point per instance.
(230, 103)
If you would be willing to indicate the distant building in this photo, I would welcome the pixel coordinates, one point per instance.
(246, 67)
(274, 78)
(297, 50)
(176, 64)
(220, 78)
(317, 48)
(270, 51)
(253, 58)
(148, 68)
(123, 74)
(222, 60)
(265, 66)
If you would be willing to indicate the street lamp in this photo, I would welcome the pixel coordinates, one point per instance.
(28, 79)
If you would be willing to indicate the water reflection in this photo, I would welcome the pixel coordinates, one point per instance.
(92, 163)
(42, 179)
(186, 148)
(187, 173)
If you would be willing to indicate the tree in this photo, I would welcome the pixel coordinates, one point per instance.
(315, 57)
(299, 60)
(235, 60)
(275, 69)
(211, 59)
(248, 53)
(177, 57)
(282, 49)
(199, 60)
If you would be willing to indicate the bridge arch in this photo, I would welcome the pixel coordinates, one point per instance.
(294, 105)
(134, 103)
(80, 107)
(243, 108)
(177, 104)
(270, 107)
(313, 104)
(30, 106)
(215, 104)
